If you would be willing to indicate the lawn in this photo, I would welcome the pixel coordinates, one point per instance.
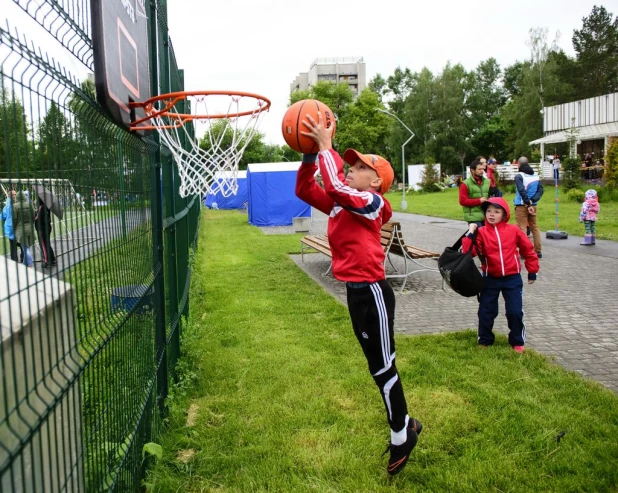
(446, 204)
(274, 394)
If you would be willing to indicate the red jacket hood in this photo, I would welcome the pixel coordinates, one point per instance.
(500, 202)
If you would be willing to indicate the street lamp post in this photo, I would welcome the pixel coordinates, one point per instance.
(404, 204)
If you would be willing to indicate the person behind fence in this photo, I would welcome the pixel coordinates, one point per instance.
(588, 215)
(529, 191)
(7, 218)
(500, 245)
(357, 210)
(23, 224)
(473, 191)
(43, 223)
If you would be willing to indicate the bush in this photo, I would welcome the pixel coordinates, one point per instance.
(611, 172)
(429, 179)
(571, 167)
(575, 195)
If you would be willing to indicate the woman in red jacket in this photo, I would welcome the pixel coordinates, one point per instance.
(500, 246)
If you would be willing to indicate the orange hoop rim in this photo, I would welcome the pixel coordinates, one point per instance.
(170, 100)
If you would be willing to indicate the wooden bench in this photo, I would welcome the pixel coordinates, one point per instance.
(393, 243)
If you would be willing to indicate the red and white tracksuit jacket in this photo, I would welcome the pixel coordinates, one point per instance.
(355, 219)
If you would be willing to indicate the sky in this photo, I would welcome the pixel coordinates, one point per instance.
(260, 46)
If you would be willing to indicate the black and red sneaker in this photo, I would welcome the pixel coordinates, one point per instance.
(401, 453)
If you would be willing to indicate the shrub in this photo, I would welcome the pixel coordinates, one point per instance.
(575, 195)
(611, 172)
(571, 167)
(429, 179)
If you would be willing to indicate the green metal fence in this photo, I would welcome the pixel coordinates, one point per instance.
(90, 338)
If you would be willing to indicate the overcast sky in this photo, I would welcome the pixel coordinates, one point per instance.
(260, 46)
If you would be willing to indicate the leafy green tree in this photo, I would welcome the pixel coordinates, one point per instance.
(490, 140)
(596, 45)
(512, 78)
(611, 173)
(378, 85)
(336, 96)
(417, 114)
(255, 152)
(364, 128)
(399, 86)
(450, 124)
(56, 143)
(15, 132)
(487, 94)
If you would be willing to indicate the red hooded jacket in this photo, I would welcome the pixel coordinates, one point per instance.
(501, 245)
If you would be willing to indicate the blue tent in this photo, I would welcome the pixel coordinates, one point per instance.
(272, 197)
(233, 201)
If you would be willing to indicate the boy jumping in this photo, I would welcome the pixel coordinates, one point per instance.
(357, 210)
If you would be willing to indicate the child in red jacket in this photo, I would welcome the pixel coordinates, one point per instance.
(357, 210)
(500, 245)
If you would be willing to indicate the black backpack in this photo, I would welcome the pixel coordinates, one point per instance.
(460, 271)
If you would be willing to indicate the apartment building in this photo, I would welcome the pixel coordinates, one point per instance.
(344, 69)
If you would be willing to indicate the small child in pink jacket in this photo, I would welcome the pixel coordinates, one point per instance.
(588, 215)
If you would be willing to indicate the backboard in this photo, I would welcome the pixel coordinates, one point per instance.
(121, 57)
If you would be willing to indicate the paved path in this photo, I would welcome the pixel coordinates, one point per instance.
(571, 312)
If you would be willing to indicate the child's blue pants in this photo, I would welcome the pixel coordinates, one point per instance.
(511, 288)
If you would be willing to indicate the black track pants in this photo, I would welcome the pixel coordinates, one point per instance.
(372, 310)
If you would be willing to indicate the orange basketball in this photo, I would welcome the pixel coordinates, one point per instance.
(292, 125)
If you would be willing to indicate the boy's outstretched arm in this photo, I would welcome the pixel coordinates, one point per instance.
(306, 187)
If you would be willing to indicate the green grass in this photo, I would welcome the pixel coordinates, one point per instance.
(283, 402)
(446, 204)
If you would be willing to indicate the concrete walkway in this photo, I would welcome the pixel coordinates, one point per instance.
(571, 312)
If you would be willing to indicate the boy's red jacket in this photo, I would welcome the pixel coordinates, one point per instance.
(501, 246)
(355, 219)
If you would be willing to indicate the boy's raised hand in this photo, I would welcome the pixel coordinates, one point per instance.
(318, 132)
(472, 228)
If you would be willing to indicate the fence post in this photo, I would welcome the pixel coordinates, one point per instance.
(170, 186)
(156, 199)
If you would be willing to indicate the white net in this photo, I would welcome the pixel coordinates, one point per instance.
(227, 123)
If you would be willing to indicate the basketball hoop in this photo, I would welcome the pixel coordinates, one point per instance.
(231, 120)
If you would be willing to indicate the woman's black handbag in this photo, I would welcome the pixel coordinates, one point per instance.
(460, 271)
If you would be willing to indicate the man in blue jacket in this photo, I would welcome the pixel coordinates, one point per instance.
(529, 191)
(7, 218)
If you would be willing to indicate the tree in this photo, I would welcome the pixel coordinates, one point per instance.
(55, 141)
(378, 85)
(611, 174)
(512, 78)
(491, 138)
(596, 45)
(418, 115)
(487, 95)
(539, 53)
(15, 146)
(364, 128)
(223, 136)
(450, 124)
(336, 96)
(399, 85)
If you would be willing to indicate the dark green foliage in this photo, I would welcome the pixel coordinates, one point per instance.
(571, 167)
(575, 195)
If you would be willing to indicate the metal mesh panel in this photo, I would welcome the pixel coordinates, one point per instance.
(86, 346)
